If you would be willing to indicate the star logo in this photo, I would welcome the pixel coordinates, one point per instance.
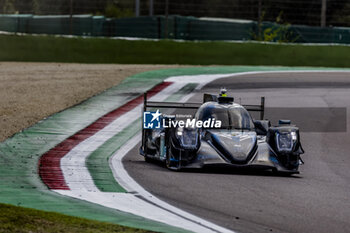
(156, 116)
(152, 120)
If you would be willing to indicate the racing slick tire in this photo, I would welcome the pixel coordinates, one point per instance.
(170, 162)
(147, 159)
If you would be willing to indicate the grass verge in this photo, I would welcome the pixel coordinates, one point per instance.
(19, 219)
(104, 50)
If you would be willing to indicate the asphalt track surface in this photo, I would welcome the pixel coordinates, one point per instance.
(317, 200)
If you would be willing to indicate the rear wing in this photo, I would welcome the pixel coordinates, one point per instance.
(153, 104)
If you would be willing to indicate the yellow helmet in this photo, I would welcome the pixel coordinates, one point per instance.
(223, 92)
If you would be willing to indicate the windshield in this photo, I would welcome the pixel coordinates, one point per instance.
(230, 117)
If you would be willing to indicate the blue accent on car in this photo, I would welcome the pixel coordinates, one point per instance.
(273, 159)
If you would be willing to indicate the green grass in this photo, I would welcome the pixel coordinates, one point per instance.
(103, 50)
(19, 219)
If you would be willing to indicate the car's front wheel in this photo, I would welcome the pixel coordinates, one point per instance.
(148, 159)
(171, 162)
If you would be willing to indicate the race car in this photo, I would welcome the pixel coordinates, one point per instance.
(231, 137)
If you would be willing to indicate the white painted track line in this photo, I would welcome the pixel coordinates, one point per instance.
(172, 216)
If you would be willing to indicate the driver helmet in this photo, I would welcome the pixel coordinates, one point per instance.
(223, 92)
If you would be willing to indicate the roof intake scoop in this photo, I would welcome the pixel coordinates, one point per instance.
(225, 100)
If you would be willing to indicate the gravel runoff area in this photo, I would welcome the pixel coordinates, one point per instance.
(30, 92)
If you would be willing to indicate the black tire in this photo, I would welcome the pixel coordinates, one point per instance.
(169, 163)
(147, 151)
(147, 159)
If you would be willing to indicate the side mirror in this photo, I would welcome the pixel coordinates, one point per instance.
(262, 126)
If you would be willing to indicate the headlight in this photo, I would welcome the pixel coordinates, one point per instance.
(285, 141)
(188, 137)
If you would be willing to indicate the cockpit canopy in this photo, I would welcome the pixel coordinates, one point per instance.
(232, 116)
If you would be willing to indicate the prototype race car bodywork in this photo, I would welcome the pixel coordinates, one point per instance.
(240, 141)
